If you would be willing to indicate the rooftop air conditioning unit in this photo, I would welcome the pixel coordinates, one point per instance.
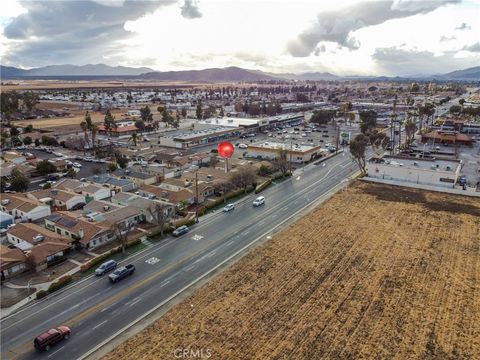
(38, 238)
(106, 208)
(5, 201)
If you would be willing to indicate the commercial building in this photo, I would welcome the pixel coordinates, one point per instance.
(296, 153)
(442, 173)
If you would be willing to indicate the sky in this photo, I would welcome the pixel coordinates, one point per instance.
(389, 37)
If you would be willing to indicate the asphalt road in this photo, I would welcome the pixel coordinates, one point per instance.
(96, 309)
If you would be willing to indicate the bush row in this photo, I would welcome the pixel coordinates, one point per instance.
(263, 186)
(101, 258)
(56, 285)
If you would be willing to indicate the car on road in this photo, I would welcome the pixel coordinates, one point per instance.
(243, 146)
(122, 273)
(45, 341)
(181, 230)
(228, 208)
(259, 201)
(77, 165)
(106, 267)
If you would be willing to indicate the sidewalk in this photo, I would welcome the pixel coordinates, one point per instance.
(43, 286)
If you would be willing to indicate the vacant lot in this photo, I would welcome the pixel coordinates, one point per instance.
(377, 272)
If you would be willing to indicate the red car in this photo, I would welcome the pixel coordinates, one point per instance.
(45, 341)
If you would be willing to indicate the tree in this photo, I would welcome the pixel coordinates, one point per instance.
(112, 167)
(14, 131)
(410, 128)
(160, 214)
(379, 142)
(94, 131)
(109, 122)
(30, 100)
(322, 116)
(120, 232)
(37, 142)
(140, 125)
(415, 87)
(161, 109)
(167, 118)
(146, 114)
(134, 139)
(8, 104)
(27, 140)
(45, 167)
(18, 181)
(199, 111)
(242, 178)
(49, 141)
(368, 121)
(461, 102)
(122, 161)
(15, 141)
(28, 129)
(281, 162)
(47, 186)
(184, 113)
(455, 109)
(71, 173)
(222, 112)
(358, 147)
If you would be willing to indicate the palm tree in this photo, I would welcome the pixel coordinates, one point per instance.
(134, 139)
(84, 127)
(94, 131)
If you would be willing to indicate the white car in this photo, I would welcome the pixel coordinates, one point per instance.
(243, 146)
(259, 201)
(228, 208)
(77, 165)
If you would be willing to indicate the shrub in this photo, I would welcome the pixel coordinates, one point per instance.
(41, 294)
(85, 267)
(64, 280)
(263, 186)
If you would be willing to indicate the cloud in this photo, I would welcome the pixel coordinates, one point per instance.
(190, 10)
(397, 61)
(463, 26)
(473, 48)
(338, 25)
(55, 32)
(446, 38)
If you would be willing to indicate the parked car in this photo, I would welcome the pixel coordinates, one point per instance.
(259, 201)
(121, 273)
(45, 341)
(77, 165)
(106, 267)
(228, 208)
(181, 230)
(243, 146)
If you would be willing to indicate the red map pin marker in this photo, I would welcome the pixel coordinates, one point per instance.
(225, 149)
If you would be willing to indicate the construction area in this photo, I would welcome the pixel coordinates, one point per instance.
(375, 272)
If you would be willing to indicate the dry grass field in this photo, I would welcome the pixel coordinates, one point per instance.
(377, 272)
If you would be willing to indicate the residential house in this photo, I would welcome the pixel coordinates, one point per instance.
(47, 254)
(143, 205)
(27, 235)
(14, 157)
(113, 183)
(139, 178)
(85, 234)
(90, 191)
(58, 199)
(178, 198)
(23, 208)
(12, 262)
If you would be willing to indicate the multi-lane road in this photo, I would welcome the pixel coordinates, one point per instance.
(96, 310)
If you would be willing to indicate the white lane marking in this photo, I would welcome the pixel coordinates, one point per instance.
(211, 253)
(97, 326)
(246, 232)
(284, 208)
(136, 301)
(229, 243)
(197, 237)
(261, 222)
(56, 351)
(152, 260)
(190, 267)
(165, 282)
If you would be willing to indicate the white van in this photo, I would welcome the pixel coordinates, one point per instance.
(259, 201)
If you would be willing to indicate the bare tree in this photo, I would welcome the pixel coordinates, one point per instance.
(358, 147)
(160, 214)
(281, 162)
(243, 177)
(379, 142)
(120, 231)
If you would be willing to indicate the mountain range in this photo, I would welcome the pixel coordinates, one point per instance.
(214, 75)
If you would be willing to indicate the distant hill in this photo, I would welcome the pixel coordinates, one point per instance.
(73, 70)
(472, 74)
(210, 75)
(214, 75)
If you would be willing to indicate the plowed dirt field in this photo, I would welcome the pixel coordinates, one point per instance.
(376, 272)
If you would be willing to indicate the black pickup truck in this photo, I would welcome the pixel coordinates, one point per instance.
(121, 273)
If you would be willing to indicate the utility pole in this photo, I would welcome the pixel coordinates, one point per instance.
(196, 196)
(338, 135)
(290, 157)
